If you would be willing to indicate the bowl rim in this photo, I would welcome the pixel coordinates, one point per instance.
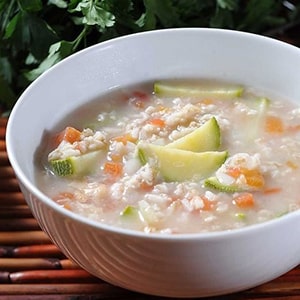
(30, 186)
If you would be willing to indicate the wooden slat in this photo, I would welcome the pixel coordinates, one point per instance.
(12, 264)
(18, 224)
(51, 276)
(3, 158)
(3, 122)
(23, 238)
(6, 172)
(11, 198)
(67, 264)
(11, 185)
(17, 211)
(2, 145)
(102, 289)
(44, 250)
(2, 131)
(278, 288)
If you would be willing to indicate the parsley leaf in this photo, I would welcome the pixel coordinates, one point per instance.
(37, 34)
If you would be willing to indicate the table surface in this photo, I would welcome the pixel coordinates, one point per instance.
(32, 267)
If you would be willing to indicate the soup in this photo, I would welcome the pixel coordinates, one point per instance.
(177, 157)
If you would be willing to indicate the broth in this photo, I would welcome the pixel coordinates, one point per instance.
(184, 157)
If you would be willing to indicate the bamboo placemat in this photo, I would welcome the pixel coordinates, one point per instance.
(31, 267)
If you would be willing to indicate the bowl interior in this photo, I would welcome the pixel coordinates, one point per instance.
(174, 53)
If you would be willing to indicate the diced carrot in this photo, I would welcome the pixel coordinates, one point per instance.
(63, 199)
(139, 98)
(116, 157)
(157, 122)
(64, 195)
(272, 190)
(67, 206)
(125, 138)
(254, 178)
(274, 125)
(244, 200)
(294, 128)
(162, 108)
(207, 101)
(145, 186)
(69, 134)
(113, 168)
(208, 205)
(291, 165)
(141, 95)
(233, 172)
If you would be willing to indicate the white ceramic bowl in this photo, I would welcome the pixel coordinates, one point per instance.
(192, 265)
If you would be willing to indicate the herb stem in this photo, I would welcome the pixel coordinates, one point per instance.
(7, 17)
(79, 38)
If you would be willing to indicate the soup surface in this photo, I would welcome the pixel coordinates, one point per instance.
(178, 157)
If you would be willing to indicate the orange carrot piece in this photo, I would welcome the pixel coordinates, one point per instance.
(145, 186)
(67, 206)
(291, 165)
(254, 178)
(274, 125)
(63, 199)
(233, 172)
(69, 134)
(140, 95)
(208, 205)
(113, 168)
(157, 122)
(116, 157)
(244, 200)
(139, 98)
(294, 128)
(162, 108)
(125, 138)
(207, 101)
(272, 190)
(64, 195)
